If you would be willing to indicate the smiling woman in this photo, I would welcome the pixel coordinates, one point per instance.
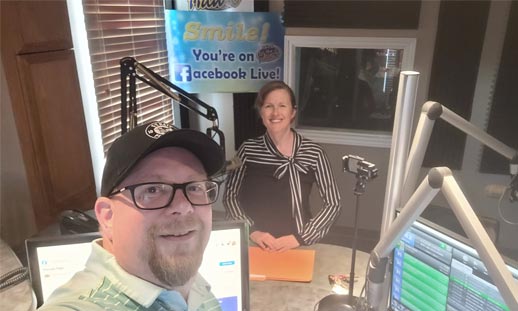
(271, 189)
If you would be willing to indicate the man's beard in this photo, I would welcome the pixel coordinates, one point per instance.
(178, 268)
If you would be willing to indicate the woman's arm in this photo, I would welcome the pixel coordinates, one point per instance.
(319, 225)
(233, 186)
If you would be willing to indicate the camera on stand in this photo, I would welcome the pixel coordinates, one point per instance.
(363, 171)
(358, 166)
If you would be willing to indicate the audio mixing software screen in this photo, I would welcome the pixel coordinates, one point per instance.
(433, 271)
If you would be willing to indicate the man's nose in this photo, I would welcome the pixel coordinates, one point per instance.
(180, 203)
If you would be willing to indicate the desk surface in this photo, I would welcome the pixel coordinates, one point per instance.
(294, 296)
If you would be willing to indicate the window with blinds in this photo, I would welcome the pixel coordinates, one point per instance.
(117, 29)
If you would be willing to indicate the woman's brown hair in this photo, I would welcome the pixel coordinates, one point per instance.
(270, 87)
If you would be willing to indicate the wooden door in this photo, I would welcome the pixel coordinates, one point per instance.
(41, 75)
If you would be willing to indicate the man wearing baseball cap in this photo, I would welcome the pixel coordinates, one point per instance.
(155, 218)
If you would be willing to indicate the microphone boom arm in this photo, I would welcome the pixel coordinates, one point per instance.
(429, 113)
(131, 70)
(439, 179)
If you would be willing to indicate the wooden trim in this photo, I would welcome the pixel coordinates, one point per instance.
(10, 40)
(47, 108)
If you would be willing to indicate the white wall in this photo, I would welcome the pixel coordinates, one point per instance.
(86, 83)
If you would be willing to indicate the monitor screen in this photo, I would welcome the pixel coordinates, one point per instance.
(224, 266)
(50, 262)
(435, 269)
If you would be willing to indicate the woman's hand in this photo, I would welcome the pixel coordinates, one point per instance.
(268, 242)
(286, 242)
(264, 240)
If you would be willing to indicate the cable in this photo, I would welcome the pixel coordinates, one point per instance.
(362, 292)
(14, 277)
(499, 207)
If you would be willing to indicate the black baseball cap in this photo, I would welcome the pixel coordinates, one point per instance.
(130, 148)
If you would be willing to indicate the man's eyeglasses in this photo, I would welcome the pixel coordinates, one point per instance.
(157, 195)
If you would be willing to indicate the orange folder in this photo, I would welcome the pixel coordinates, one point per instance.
(294, 265)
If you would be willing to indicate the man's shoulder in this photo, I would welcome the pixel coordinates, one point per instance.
(97, 287)
(81, 294)
(70, 296)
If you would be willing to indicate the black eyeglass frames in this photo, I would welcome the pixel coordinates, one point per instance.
(157, 195)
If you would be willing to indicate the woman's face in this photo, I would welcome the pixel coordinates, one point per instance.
(277, 112)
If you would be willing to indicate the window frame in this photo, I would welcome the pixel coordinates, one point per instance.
(366, 138)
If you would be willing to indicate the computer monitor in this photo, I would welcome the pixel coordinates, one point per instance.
(224, 266)
(53, 260)
(435, 269)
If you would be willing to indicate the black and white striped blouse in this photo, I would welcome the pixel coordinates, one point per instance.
(271, 191)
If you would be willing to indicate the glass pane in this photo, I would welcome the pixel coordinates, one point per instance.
(348, 88)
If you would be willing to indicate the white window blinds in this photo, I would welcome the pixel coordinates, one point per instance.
(117, 29)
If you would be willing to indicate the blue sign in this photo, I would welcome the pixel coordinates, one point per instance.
(214, 52)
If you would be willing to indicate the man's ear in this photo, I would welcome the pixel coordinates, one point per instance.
(104, 213)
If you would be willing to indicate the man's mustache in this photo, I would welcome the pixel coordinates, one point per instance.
(178, 226)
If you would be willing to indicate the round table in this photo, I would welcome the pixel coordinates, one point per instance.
(294, 296)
